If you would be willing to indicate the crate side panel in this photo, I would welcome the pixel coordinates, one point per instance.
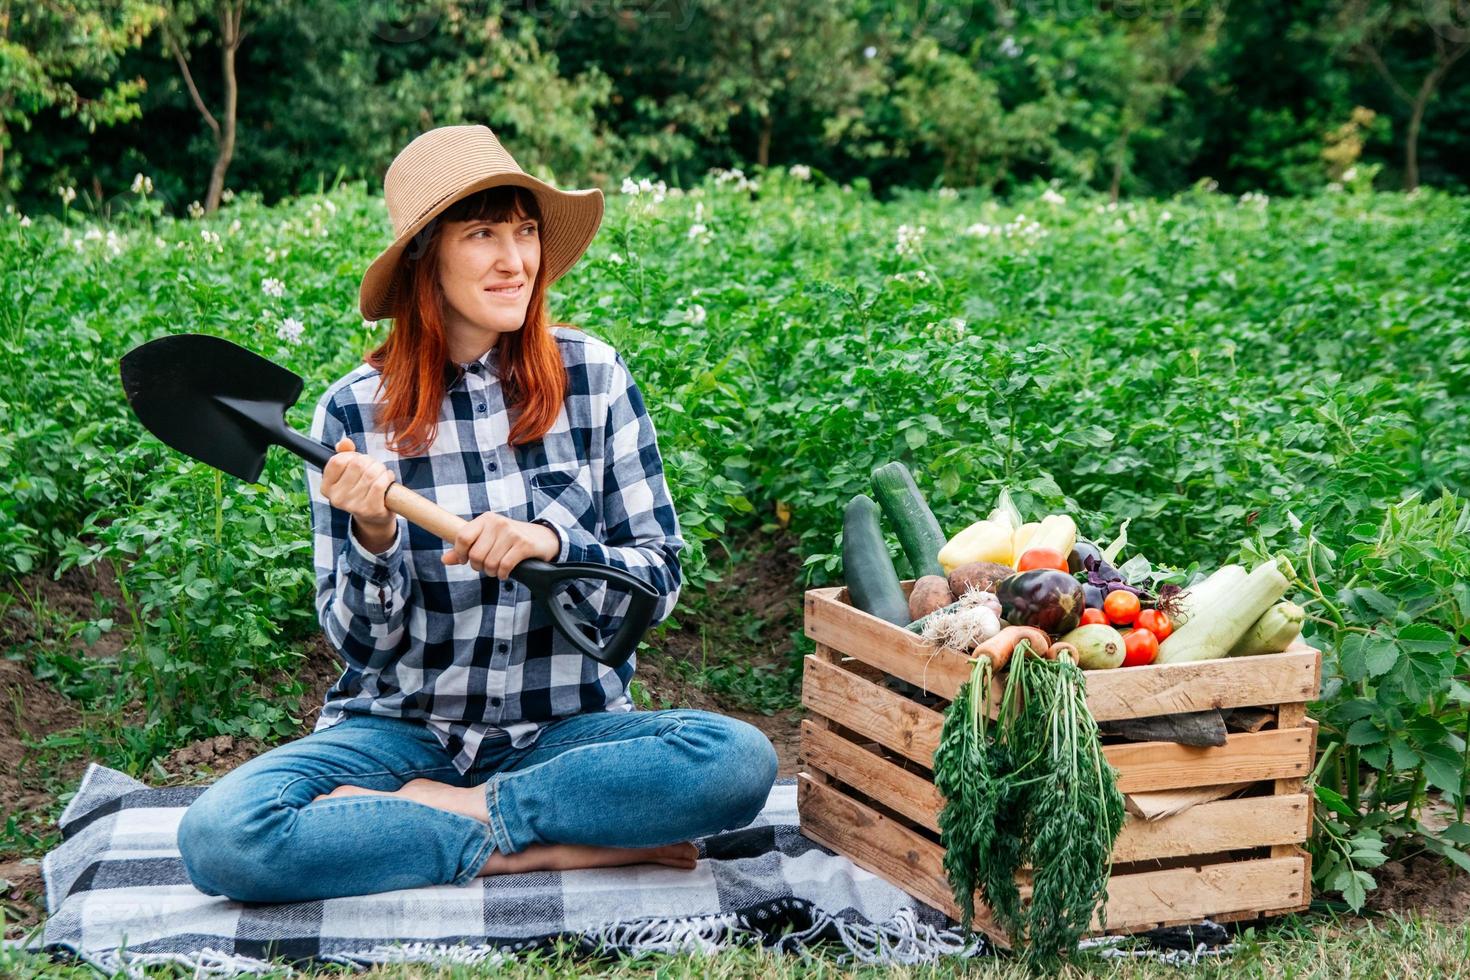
(902, 725)
(877, 844)
(898, 789)
(1244, 758)
(1224, 825)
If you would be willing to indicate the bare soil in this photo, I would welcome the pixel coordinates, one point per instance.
(1428, 886)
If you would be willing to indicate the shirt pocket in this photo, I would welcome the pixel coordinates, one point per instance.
(560, 494)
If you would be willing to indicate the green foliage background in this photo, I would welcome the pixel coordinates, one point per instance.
(903, 93)
(1236, 375)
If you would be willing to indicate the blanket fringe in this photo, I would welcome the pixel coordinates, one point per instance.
(901, 939)
(203, 963)
(422, 953)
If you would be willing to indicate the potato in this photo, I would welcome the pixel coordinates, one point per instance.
(982, 575)
(930, 593)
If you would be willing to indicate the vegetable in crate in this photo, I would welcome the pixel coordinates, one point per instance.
(1099, 646)
(929, 593)
(984, 540)
(914, 524)
(1221, 620)
(872, 581)
(1211, 590)
(983, 575)
(1021, 540)
(1277, 628)
(968, 622)
(972, 597)
(1057, 532)
(1006, 512)
(1044, 598)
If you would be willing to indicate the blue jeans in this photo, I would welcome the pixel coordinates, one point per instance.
(613, 778)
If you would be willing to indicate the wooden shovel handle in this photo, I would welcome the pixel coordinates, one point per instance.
(423, 512)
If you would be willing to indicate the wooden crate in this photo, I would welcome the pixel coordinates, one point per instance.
(867, 790)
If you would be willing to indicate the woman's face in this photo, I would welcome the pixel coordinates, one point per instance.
(486, 270)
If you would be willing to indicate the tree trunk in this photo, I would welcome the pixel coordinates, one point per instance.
(230, 35)
(1411, 141)
(763, 150)
(1120, 159)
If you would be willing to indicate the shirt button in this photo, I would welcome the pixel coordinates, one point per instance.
(480, 407)
(492, 467)
(501, 648)
(494, 702)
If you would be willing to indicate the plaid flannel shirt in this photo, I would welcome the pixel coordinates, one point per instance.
(461, 650)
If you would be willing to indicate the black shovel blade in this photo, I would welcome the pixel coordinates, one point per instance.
(212, 400)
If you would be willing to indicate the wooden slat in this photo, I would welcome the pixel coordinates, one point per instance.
(1290, 716)
(891, 648)
(1129, 692)
(1245, 757)
(913, 731)
(1224, 825)
(1205, 829)
(891, 719)
(907, 793)
(1135, 901)
(884, 847)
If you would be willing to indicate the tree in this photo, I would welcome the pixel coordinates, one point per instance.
(45, 49)
(765, 55)
(230, 34)
(1151, 55)
(1370, 31)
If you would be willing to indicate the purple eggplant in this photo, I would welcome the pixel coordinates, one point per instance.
(1046, 598)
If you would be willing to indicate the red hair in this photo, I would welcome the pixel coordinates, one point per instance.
(414, 359)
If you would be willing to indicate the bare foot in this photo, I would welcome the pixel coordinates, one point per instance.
(566, 857)
(468, 801)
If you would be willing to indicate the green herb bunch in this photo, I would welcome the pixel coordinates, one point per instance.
(1030, 790)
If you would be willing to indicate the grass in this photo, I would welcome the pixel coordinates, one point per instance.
(1298, 947)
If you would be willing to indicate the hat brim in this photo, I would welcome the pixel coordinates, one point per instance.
(569, 222)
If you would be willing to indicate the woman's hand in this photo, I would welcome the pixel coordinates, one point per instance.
(357, 483)
(495, 543)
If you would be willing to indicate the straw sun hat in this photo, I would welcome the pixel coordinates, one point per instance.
(443, 165)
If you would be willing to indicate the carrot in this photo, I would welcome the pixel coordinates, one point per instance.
(1000, 646)
(1059, 647)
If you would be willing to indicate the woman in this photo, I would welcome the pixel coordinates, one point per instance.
(466, 737)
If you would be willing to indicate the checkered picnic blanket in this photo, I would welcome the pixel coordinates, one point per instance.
(119, 898)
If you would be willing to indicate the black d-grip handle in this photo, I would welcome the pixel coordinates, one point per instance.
(541, 577)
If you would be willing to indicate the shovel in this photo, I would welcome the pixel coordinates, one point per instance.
(225, 405)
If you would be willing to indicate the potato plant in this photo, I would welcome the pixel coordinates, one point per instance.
(1232, 375)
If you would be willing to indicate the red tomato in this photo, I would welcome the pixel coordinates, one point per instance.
(1033, 558)
(1091, 616)
(1140, 647)
(1156, 623)
(1121, 606)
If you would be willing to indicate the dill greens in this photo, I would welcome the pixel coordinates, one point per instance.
(1028, 790)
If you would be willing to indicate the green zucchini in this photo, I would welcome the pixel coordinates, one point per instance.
(1273, 632)
(872, 581)
(918, 532)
